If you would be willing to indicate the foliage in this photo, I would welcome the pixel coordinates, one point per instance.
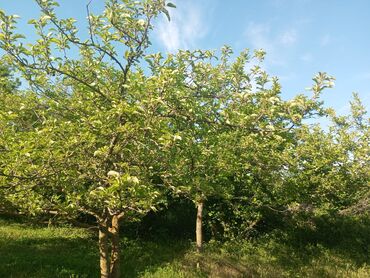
(329, 171)
(91, 144)
(93, 139)
(102, 128)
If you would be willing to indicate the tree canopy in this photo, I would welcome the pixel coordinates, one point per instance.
(107, 129)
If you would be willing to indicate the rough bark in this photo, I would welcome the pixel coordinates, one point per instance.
(198, 229)
(115, 256)
(104, 250)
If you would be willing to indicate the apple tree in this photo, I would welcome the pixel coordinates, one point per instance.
(84, 137)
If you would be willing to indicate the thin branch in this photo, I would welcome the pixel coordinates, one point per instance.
(35, 177)
(89, 19)
(77, 42)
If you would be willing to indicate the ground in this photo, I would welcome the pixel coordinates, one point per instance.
(39, 251)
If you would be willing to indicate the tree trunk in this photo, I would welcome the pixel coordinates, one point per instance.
(115, 256)
(198, 229)
(103, 250)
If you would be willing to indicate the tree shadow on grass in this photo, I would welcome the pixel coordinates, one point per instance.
(333, 247)
(330, 244)
(146, 256)
(321, 247)
(56, 257)
(34, 252)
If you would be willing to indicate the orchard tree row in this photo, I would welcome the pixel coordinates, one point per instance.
(103, 127)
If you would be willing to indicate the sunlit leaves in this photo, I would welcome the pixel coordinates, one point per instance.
(105, 126)
(90, 115)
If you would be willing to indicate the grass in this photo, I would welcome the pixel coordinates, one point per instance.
(37, 251)
(31, 251)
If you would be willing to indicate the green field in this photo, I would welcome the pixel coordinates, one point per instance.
(37, 251)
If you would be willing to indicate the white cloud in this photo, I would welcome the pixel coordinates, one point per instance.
(169, 35)
(289, 37)
(259, 35)
(184, 29)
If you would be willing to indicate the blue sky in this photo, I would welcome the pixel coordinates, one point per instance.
(301, 37)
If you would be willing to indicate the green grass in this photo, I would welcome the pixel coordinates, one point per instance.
(30, 251)
(36, 251)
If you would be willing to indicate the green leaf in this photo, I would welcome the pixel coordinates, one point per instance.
(167, 14)
(171, 5)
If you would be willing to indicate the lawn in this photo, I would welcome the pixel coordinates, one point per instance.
(37, 251)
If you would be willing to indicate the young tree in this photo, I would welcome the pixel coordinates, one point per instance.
(225, 120)
(328, 171)
(92, 142)
(264, 127)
